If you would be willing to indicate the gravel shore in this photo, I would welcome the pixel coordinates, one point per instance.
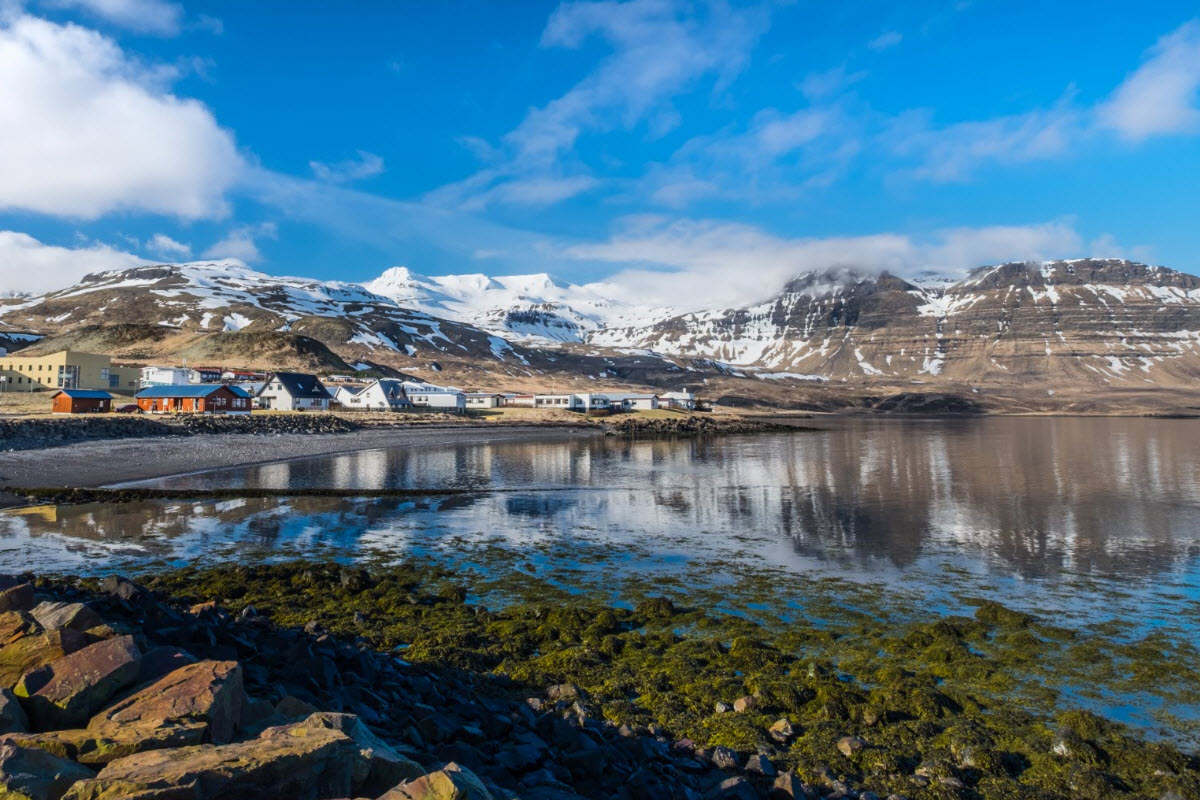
(113, 461)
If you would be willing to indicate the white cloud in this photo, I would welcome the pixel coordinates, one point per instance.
(27, 265)
(953, 152)
(240, 243)
(1160, 96)
(141, 16)
(821, 85)
(86, 130)
(366, 165)
(162, 245)
(659, 49)
(682, 263)
(886, 40)
(777, 156)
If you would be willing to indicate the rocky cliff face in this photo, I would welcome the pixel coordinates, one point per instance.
(1098, 321)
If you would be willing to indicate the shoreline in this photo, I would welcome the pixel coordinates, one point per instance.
(114, 462)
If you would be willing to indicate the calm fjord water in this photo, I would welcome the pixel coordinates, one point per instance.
(1056, 514)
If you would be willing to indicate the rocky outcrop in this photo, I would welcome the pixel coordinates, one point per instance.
(200, 704)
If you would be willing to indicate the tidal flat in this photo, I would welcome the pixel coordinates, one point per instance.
(991, 700)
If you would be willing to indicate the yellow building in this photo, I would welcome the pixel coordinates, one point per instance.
(66, 369)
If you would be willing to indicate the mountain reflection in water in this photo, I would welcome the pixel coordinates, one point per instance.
(1023, 498)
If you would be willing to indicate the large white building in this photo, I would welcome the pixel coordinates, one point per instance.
(165, 376)
(597, 401)
(436, 398)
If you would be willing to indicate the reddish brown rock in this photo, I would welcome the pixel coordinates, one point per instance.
(35, 774)
(16, 625)
(209, 693)
(452, 782)
(17, 598)
(298, 762)
(381, 766)
(65, 693)
(33, 652)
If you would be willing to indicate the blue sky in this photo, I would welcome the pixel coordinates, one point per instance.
(724, 146)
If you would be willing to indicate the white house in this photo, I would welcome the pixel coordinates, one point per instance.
(385, 394)
(436, 398)
(632, 402)
(293, 391)
(483, 400)
(165, 376)
(684, 400)
(597, 401)
(343, 394)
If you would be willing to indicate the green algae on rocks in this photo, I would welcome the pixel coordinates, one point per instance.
(941, 706)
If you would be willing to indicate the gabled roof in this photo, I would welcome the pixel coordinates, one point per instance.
(194, 390)
(299, 385)
(83, 394)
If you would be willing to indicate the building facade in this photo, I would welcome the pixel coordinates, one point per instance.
(483, 400)
(195, 399)
(81, 401)
(293, 391)
(385, 394)
(165, 376)
(66, 369)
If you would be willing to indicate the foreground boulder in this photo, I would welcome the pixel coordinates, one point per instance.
(65, 693)
(27, 774)
(380, 766)
(206, 697)
(53, 616)
(195, 704)
(17, 598)
(33, 652)
(452, 782)
(300, 761)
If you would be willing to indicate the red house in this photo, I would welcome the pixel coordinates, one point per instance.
(80, 401)
(202, 398)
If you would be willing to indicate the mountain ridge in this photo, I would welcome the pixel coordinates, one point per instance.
(1054, 324)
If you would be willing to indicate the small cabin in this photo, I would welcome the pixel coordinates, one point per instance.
(81, 401)
(217, 398)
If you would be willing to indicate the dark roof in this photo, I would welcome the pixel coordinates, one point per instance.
(299, 385)
(192, 390)
(84, 394)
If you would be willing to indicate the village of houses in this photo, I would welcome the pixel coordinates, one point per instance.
(87, 383)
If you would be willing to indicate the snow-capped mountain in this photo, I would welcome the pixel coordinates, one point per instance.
(211, 297)
(534, 308)
(1098, 321)
(1083, 323)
